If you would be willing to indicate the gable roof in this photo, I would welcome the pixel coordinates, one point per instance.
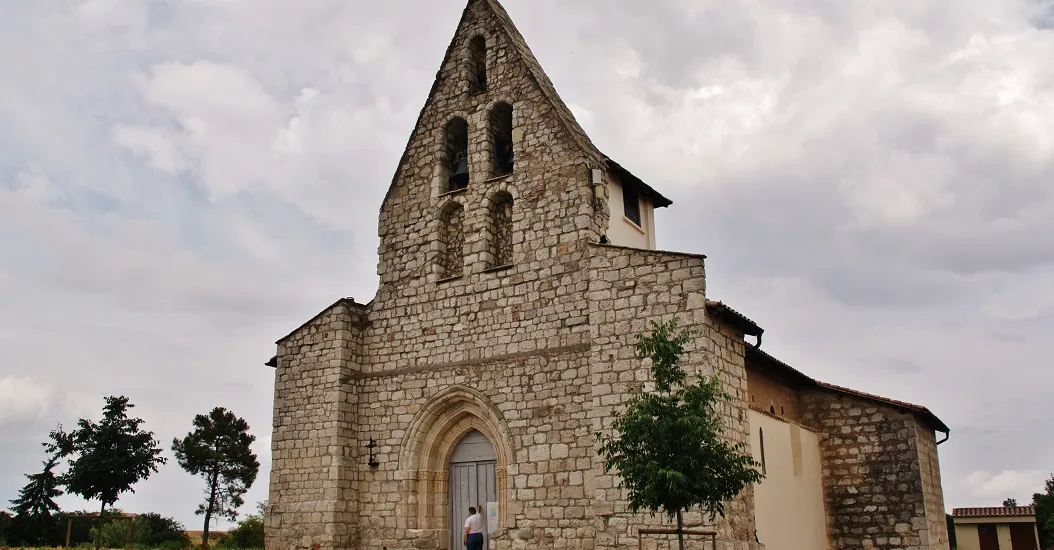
(763, 361)
(995, 512)
(534, 69)
(733, 318)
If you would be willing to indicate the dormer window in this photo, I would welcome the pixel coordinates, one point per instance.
(631, 204)
(501, 139)
(477, 65)
(455, 157)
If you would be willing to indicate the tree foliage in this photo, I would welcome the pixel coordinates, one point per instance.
(148, 531)
(249, 532)
(1010, 502)
(33, 522)
(1044, 503)
(109, 457)
(668, 446)
(218, 450)
(5, 529)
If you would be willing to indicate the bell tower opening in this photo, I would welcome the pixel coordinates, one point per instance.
(473, 483)
(477, 65)
(455, 157)
(501, 139)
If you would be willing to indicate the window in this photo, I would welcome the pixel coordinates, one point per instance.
(631, 204)
(477, 65)
(501, 230)
(455, 156)
(501, 139)
(761, 436)
(452, 241)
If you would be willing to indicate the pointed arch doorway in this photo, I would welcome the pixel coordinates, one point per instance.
(472, 483)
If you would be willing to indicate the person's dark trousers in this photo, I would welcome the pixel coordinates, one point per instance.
(475, 541)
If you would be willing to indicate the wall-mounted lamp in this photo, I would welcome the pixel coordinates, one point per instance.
(373, 459)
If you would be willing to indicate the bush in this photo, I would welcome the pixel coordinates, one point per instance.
(148, 531)
(248, 534)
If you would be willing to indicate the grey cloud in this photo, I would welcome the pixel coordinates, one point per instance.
(870, 182)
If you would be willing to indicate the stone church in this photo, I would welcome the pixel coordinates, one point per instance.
(516, 263)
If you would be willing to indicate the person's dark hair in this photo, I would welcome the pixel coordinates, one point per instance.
(471, 510)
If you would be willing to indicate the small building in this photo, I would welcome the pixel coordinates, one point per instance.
(996, 528)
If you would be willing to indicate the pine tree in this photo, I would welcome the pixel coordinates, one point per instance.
(35, 504)
(219, 450)
(669, 447)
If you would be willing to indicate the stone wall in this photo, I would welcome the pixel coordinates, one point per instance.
(873, 488)
(937, 523)
(313, 490)
(628, 290)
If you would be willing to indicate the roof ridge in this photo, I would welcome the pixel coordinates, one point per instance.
(540, 77)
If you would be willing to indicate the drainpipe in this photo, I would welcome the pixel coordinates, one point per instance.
(758, 343)
(947, 436)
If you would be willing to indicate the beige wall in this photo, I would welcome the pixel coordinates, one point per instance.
(966, 532)
(789, 501)
(623, 232)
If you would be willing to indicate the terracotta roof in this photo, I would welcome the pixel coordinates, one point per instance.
(763, 361)
(995, 512)
(734, 318)
(923, 412)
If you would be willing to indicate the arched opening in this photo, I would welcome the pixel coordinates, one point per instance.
(477, 65)
(503, 159)
(473, 482)
(500, 230)
(429, 449)
(455, 155)
(452, 241)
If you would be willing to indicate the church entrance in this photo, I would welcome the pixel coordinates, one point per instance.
(473, 483)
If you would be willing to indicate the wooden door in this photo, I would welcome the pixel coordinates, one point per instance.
(473, 482)
(989, 537)
(1023, 536)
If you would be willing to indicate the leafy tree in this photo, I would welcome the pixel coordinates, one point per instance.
(1044, 503)
(249, 533)
(1010, 502)
(108, 457)
(35, 503)
(669, 449)
(219, 450)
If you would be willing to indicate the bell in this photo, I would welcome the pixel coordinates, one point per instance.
(460, 178)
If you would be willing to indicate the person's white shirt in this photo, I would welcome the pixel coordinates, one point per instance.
(475, 524)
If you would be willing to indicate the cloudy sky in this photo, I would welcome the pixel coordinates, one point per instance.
(184, 181)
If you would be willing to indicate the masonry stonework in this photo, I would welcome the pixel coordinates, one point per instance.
(503, 309)
(872, 474)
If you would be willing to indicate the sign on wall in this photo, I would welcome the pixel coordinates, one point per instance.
(492, 516)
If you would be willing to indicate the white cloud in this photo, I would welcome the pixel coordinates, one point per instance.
(1008, 483)
(22, 398)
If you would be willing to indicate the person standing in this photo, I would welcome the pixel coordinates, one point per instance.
(474, 526)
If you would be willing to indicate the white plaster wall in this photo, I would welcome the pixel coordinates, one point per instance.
(789, 501)
(623, 232)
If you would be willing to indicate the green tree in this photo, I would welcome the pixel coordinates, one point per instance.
(1044, 503)
(5, 529)
(219, 450)
(249, 533)
(33, 521)
(109, 457)
(669, 450)
(1010, 502)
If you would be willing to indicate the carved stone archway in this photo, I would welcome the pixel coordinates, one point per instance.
(425, 459)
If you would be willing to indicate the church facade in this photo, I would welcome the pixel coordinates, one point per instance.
(516, 263)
